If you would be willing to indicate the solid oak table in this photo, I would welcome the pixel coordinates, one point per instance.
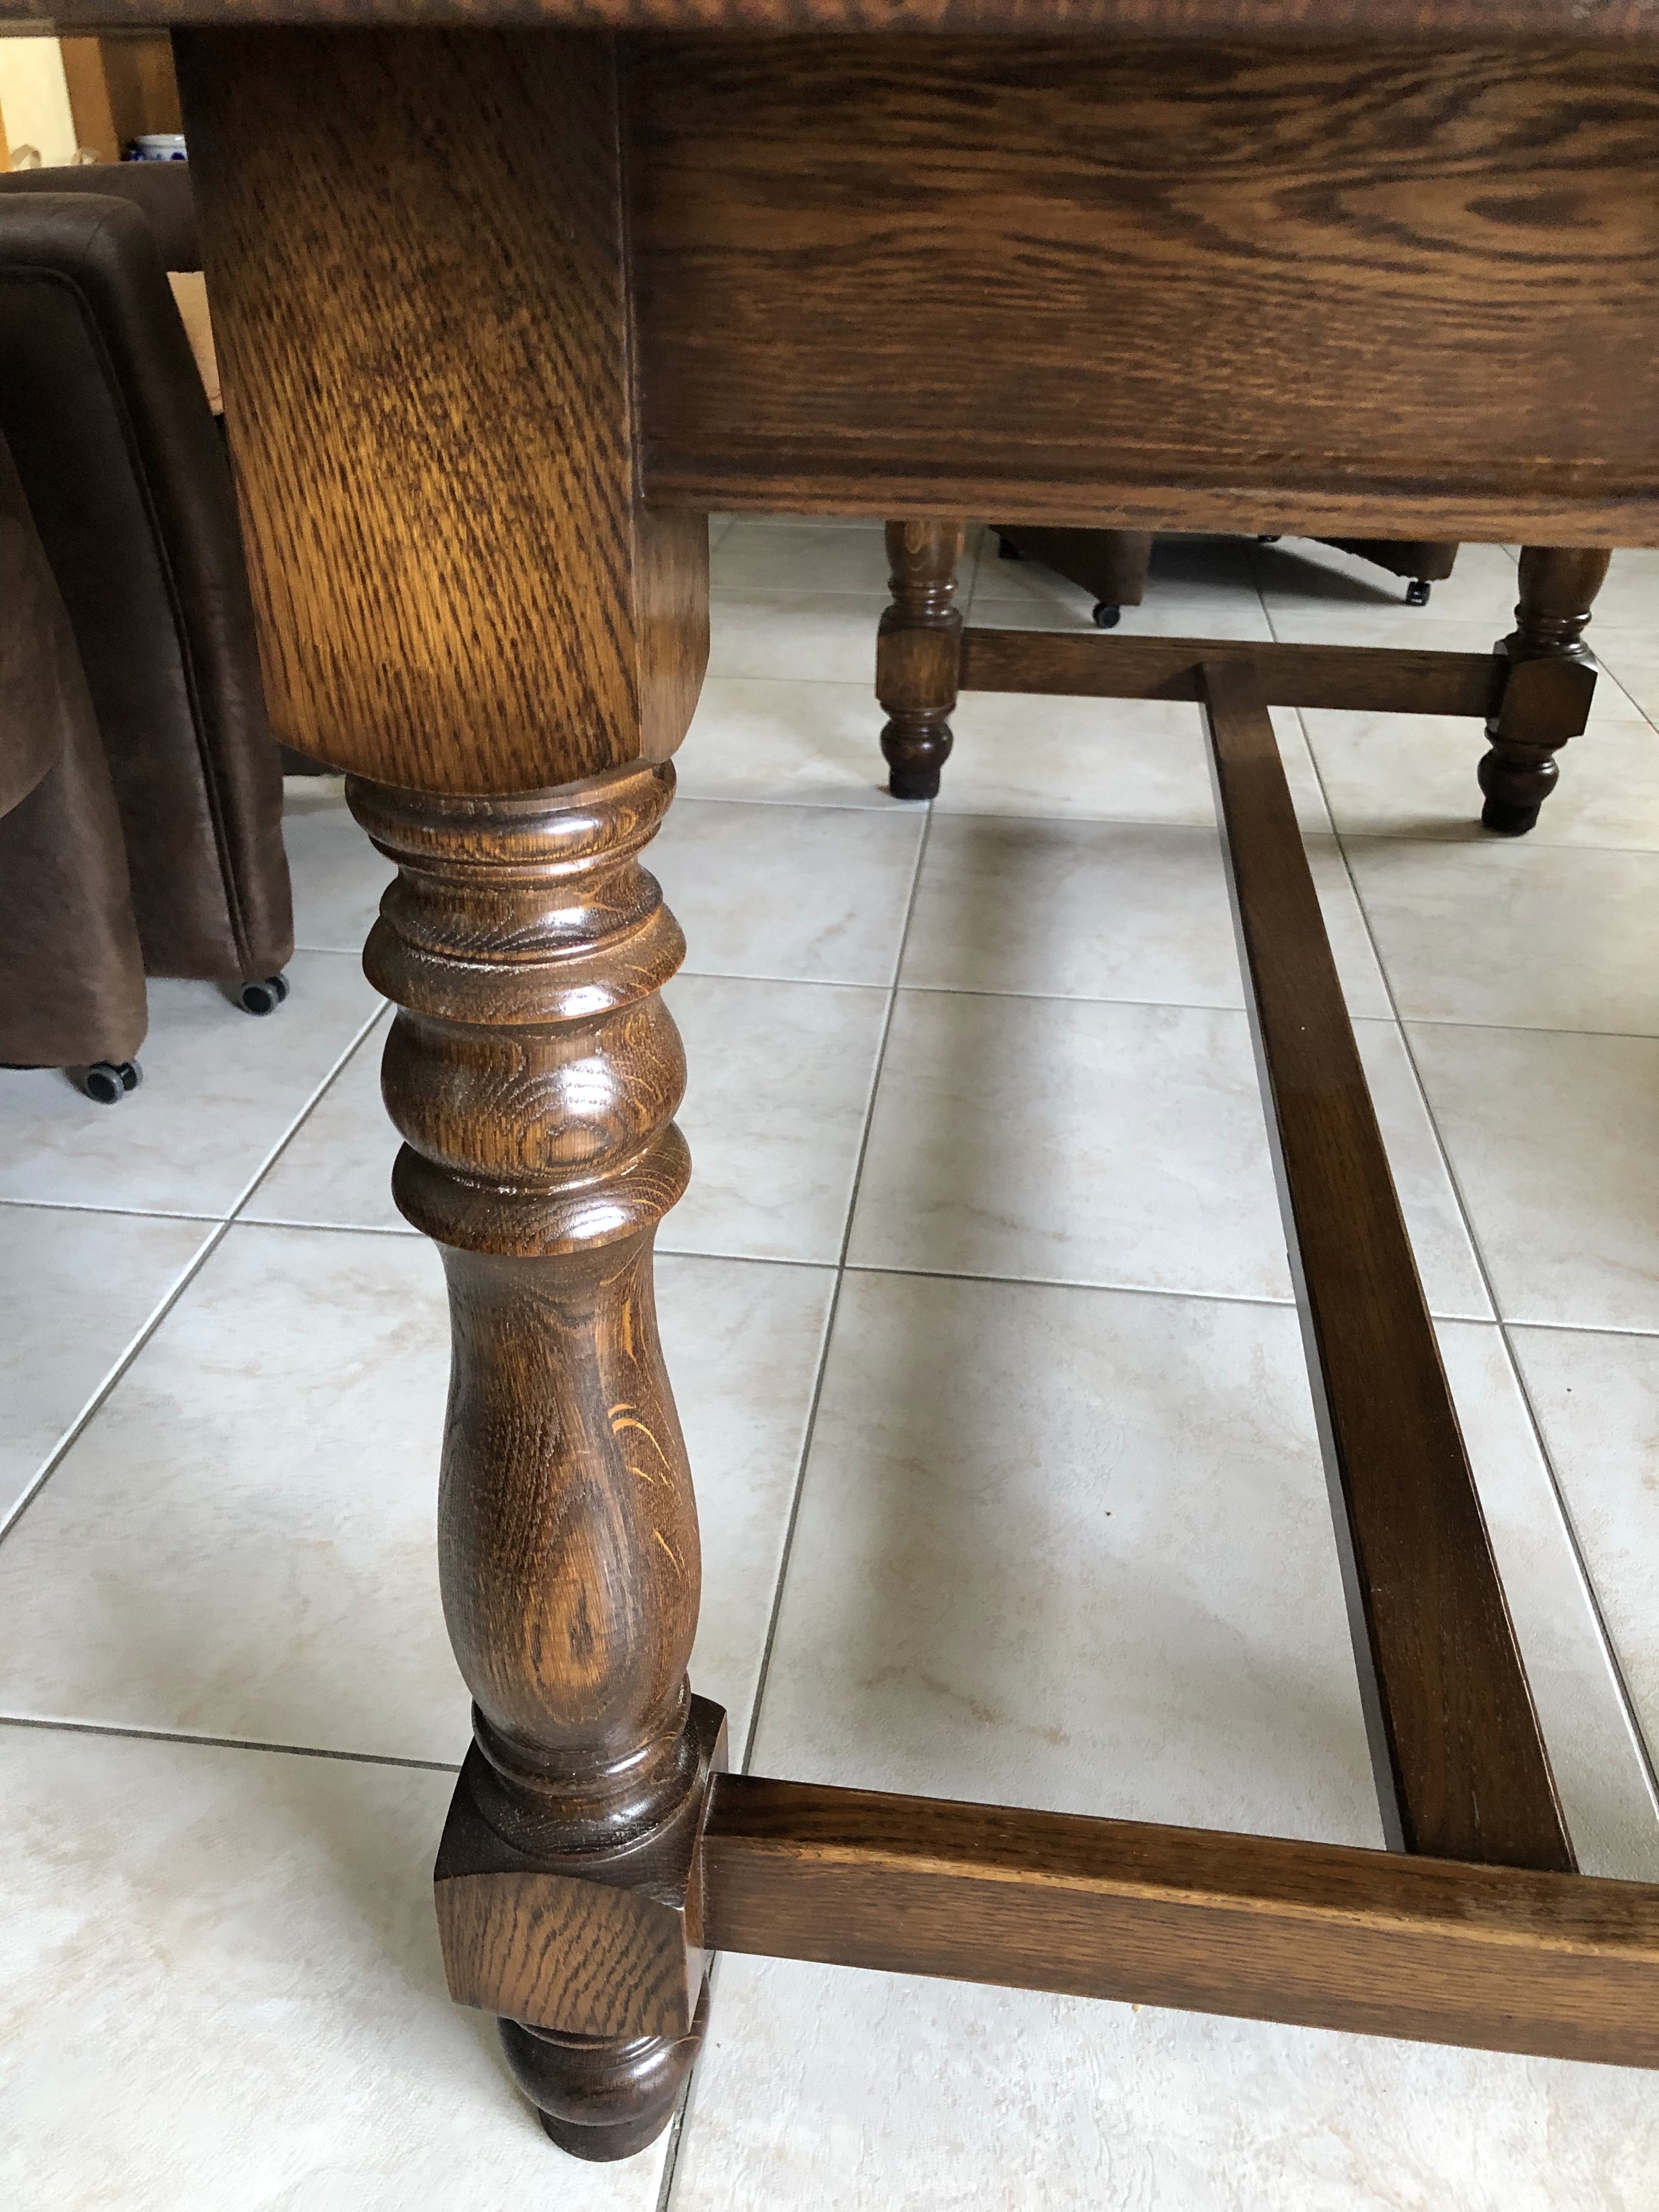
(502, 313)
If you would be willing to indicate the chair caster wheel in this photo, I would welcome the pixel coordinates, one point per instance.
(108, 1082)
(1417, 592)
(1007, 550)
(264, 997)
(1268, 537)
(1106, 617)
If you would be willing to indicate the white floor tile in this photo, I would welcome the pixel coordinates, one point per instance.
(792, 893)
(1597, 1401)
(827, 2090)
(1446, 1262)
(822, 556)
(1551, 1140)
(1629, 657)
(76, 1289)
(221, 1089)
(222, 1988)
(829, 636)
(337, 875)
(1070, 1549)
(1414, 775)
(777, 1091)
(241, 1543)
(1501, 933)
(336, 1171)
(1599, 1776)
(769, 739)
(1079, 909)
(1067, 1141)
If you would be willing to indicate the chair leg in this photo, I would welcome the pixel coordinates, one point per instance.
(1548, 681)
(918, 650)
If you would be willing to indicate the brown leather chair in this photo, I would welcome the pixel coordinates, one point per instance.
(126, 471)
(1112, 564)
(71, 973)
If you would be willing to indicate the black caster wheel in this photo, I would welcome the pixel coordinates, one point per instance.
(263, 997)
(1417, 592)
(1007, 550)
(1106, 617)
(1266, 537)
(108, 1082)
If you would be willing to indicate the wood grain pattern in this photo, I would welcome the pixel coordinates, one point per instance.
(415, 246)
(1460, 1767)
(1366, 678)
(1548, 683)
(1374, 1943)
(918, 646)
(533, 1072)
(1610, 21)
(932, 278)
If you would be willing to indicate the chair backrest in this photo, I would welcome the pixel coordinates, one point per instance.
(159, 190)
(125, 470)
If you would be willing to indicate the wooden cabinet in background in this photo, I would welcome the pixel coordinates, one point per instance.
(120, 87)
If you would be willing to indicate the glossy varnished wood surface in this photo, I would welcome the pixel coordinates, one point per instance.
(1156, 286)
(1073, 664)
(415, 243)
(1619, 21)
(1498, 1958)
(1460, 1764)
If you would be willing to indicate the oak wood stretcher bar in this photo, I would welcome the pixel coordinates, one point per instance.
(505, 303)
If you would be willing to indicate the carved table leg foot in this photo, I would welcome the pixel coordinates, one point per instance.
(918, 651)
(534, 1070)
(1548, 678)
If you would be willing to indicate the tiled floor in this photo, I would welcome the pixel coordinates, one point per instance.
(980, 1318)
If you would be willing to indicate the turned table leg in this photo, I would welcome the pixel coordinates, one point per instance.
(918, 649)
(1548, 681)
(419, 264)
(534, 1070)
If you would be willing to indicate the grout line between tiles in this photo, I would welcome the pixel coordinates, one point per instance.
(834, 1303)
(304, 1114)
(223, 1743)
(1639, 1745)
(122, 1212)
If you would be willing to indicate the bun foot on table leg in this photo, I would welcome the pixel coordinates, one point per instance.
(601, 2100)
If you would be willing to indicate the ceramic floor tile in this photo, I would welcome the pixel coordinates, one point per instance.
(1069, 1141)
(337, 875)
(1069, 1548)
(777, 1091)
(1073, 909)
(1446, 1262)
(1551, 1140)
(1414, 775)
(1130, 760)
(76, 1289)
(1629, 600)
(1629, 657)
(335, 1171)
(220, 1087)
(827, 2090)
(222, 1987)
(790, 893)
(1597, 1401)
(245, 1547)
(1606, 1793)
(824, 556)
(1532, 937)
(769, 738)
(829, 636)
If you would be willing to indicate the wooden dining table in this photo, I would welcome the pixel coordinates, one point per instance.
(508, 296)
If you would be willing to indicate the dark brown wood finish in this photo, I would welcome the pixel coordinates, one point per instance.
(1461, 1766)
(1112, 564)
(1549, 682)
(415, 244)
(964, 277)
(917, 647)
(533, 1072)
(1073, 664)
(1382, 1944)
